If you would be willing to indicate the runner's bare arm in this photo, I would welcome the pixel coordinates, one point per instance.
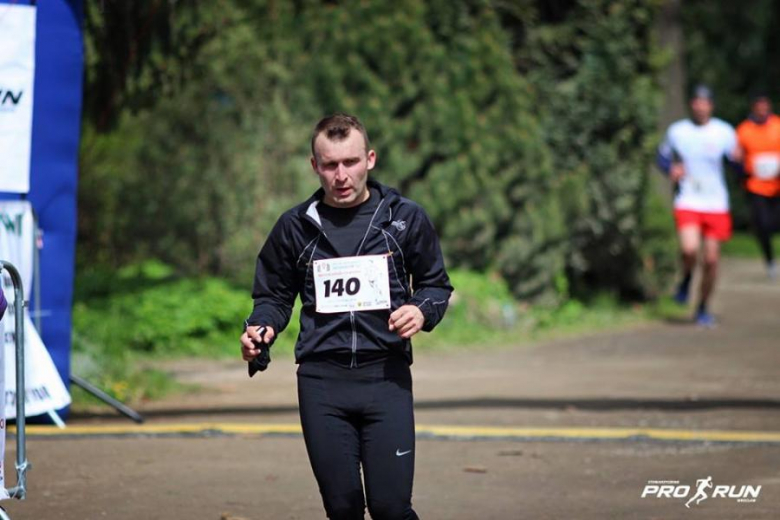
(676, 172)
(737, 154)
(668, 159)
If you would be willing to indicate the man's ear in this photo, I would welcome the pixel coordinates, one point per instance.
(314, 164)
(371, 159)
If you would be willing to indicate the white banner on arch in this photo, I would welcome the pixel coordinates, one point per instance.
(17, 76)
(45, 390)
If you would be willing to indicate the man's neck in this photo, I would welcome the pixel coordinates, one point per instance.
(760, 120)
(364, 198)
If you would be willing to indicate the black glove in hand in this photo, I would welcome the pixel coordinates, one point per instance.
(260, 363)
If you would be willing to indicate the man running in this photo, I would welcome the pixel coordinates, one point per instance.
(701, 485)
(692, 154)
(367, 266)
(759, 139)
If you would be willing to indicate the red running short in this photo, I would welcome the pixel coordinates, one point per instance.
(711, 225)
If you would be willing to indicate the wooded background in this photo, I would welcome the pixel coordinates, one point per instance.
(526, 128)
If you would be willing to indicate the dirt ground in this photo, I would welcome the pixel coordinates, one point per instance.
(659, 377)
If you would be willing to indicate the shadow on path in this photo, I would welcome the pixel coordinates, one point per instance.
(601, 405)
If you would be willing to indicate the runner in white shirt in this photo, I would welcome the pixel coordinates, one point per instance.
(693, 155)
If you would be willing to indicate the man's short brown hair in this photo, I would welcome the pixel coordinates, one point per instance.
(337, 127)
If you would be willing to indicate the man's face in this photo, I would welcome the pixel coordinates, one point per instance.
(701, 109)
(343, 167)
(761, 109)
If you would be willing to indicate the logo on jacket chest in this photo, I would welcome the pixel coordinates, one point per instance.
(400, 225)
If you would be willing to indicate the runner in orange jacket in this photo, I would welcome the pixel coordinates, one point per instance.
(759, 139)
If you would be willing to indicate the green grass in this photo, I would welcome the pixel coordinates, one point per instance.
(131, 385)
(745, 245)
(126, 321)
(522, 324)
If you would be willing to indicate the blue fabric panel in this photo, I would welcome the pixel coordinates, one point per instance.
(59, 70)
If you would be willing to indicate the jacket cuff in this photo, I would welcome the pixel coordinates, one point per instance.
(424, 304)
(262, 317)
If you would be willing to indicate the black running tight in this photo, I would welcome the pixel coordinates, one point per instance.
(355, 417)
(766, 220)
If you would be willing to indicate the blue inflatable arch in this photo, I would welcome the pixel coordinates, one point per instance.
(59, 71)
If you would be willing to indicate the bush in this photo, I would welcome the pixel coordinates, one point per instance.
(125, 324)
(146, 308)
(731, 46)
(594, 69)
(528, 144)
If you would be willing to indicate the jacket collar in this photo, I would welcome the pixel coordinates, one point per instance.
(387, 194)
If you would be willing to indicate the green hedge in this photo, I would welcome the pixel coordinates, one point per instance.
(594, 68)
(146, 309)
(733, 47)
(127, 323)
(525, 130)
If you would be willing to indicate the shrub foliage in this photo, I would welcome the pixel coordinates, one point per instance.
(525, 129)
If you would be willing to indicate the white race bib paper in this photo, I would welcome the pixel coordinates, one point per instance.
(352, 283)
(766, 165)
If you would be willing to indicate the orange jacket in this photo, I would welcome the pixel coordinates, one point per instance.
(761, 147)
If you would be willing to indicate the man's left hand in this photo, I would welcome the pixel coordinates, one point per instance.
(406, 320)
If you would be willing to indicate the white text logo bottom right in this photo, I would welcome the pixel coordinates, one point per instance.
(704, 489)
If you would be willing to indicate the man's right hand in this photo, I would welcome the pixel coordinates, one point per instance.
(248, 349)
(676, 172)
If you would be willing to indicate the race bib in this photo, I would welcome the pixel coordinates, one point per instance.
(766, 165)
(698, 186)
(353, 283)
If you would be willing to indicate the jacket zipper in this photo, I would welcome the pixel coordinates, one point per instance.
(353, 363)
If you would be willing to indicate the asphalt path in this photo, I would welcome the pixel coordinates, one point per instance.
(575, 428)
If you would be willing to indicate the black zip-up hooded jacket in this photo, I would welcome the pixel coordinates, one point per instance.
(399, 228)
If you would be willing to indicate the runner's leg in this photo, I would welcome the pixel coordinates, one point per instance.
(763, 224)
(388, 449)
(690, 240)
(774, 227)
(333, 444)
(710, 270)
